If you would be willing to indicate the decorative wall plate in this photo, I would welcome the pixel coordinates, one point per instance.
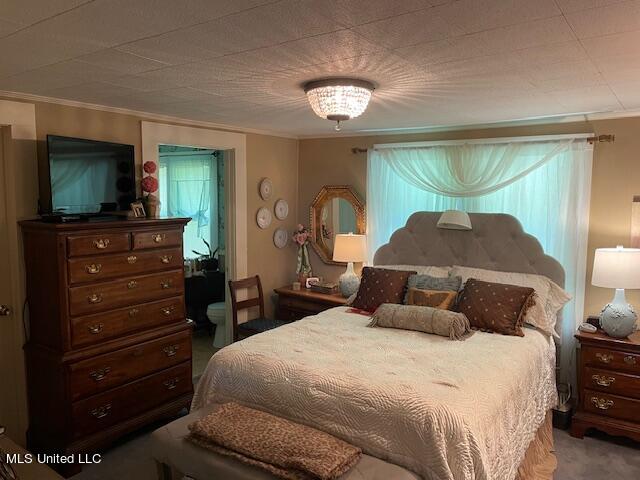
(263, 217)
(266, 188)
(280, 238)
(281, 209)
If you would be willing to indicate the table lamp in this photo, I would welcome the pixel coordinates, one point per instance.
(617, 268)
(349, 248)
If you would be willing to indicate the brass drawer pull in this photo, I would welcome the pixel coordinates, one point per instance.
(101, 243)
(132, 284)
(133, 312)
(159, 237)
(170, 350)
(602, 380)
(602, 403)
(167, 310)
(100, 374)
(166, 258)
(171, 384)
(132, 259)
(102, 411)
(604, 357)
(629, 360)
(94, 298)
(96, 329)
(165, 284)
(93, 268)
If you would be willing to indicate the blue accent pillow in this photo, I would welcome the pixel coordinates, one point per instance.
(427, 282)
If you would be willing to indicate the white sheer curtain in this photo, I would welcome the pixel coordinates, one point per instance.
(546, 185)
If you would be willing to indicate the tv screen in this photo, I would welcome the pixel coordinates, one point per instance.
(88, 176)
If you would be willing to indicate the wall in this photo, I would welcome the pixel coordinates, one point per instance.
(616, 178)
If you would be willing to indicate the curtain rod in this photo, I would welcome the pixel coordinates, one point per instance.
(589, 137)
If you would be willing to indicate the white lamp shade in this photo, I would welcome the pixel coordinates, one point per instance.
(454, 220)
(616, 268)
(350, 248)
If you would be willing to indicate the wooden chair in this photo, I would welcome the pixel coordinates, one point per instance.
(257, 325)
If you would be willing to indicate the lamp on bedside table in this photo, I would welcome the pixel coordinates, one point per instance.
(349, 248)
(617, 268)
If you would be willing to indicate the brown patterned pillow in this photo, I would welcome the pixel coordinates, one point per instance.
(495, 307)
(431, 298)
(378, 286)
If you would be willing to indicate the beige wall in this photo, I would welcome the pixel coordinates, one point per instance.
(616, 178)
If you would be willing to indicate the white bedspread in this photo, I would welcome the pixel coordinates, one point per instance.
(443, 409)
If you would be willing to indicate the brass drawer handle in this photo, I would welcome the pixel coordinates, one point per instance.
(166, 258)
(159, 237)
(93, 268)
(100, 374)
(132, 284)
(170, 350)
(167, 310)
(602, 380)
(171, 384)
(101, 243)
(94, 298)
(95, 329)
(602, 403)
(165, 284)
(133, 312)
(604, 357)
(102, 411)
(629, 360)
(131, 259)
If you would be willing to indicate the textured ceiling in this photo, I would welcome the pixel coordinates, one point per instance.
(241, 62)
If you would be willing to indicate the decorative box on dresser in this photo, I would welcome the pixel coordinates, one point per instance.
(109, 348)
(297, 304)
(609, 385)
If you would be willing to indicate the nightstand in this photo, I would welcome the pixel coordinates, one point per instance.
(608, 385)
(297, 304)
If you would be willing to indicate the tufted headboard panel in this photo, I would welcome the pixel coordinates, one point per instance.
(497, 242)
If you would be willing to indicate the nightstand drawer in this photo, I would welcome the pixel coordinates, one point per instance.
(612, 359)
(611, 406)
(612, 382)
(301, 305)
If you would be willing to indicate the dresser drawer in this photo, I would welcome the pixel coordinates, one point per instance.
(611, 405)
(101, 411)
(99, 327)
(96, 268)
(102, 372)
(157, 239)
(613, 359)
(97, 243)
(127, 291)
(612, 382)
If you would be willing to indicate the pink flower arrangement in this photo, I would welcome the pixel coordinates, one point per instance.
(150, 167)
(300, 235)
(149, 184)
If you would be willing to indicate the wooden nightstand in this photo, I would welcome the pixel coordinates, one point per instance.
(297, 304)
(608, 385)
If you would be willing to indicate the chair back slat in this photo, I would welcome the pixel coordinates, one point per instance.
(236, 306)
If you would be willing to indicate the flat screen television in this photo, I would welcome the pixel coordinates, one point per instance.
(90, 177)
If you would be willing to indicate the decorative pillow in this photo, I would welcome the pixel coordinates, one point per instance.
(442, 299)
(440, 272)
(496, 307)
(550, 296)
(422, 319)
(428, 282)
(380, 285)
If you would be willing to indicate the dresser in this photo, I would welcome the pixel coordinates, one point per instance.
(609, 385)
(109, 348)
(297, 304)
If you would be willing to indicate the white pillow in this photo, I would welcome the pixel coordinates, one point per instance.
(551, 297)
(439, 272)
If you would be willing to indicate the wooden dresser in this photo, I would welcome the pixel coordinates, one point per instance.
(609, 385)
(297, 304)
(109, 347)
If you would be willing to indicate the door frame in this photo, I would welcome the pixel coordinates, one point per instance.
(234, 146)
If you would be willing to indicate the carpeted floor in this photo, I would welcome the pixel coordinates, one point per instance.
(597, 457)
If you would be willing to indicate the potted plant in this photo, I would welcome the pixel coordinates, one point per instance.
(207, 261)
(150, 186)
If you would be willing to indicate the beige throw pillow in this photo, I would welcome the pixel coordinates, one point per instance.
(442, 299)
(422, 319)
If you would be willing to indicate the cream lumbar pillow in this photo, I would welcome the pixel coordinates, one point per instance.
(422, 319)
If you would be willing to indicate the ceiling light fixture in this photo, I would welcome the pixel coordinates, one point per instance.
(339, 99)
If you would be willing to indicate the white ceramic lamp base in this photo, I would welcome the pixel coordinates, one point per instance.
(618, 318)
(349, 282)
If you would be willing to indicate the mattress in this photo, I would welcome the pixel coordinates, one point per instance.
(440, 408)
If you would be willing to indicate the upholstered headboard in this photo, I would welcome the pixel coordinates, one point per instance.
(496, 242)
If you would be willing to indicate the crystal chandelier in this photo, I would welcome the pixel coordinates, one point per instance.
(339, 99)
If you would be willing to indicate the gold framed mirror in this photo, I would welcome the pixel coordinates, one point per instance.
(336, 209)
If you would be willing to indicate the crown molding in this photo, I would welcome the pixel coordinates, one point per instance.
(144, 115)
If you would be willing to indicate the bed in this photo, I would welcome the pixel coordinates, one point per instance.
(438, 409)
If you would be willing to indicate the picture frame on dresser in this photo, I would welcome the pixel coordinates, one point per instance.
(109, 346)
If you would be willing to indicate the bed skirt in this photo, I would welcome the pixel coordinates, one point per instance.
(540, 461)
